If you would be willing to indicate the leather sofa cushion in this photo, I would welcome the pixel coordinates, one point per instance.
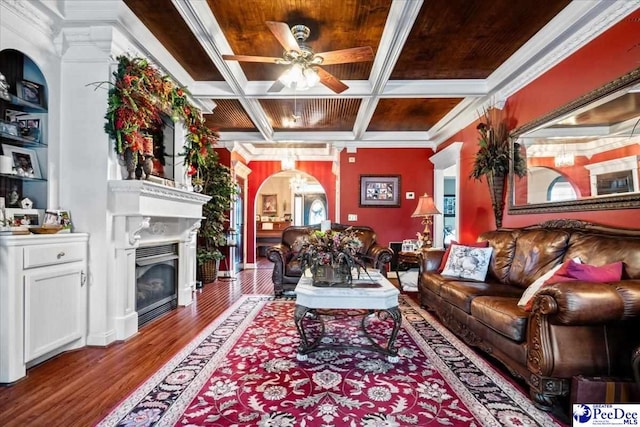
(501, 314)
(461, 293)
(434, 281)
(536, 252)
(601, 249)
(503, 243)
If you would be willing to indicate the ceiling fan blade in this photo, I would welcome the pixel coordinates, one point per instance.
(355, 54)
(277, 86)
(284, 35)
(331, 81)
(249, 58)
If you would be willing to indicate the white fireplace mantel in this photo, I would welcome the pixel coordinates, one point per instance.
(144, 198)
(144, 214)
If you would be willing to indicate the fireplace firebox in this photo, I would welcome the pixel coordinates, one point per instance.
(156, 281)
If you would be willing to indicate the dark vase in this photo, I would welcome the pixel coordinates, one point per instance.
(147, 166)
(130, 162)
(330, 275)
(497, 184)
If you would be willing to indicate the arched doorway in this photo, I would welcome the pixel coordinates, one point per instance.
(287, 198)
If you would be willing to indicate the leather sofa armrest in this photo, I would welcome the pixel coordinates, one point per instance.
(430, 259)
(588, 303)
(379, 256)
(278, 253)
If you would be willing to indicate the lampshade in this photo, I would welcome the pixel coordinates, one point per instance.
(425, 207)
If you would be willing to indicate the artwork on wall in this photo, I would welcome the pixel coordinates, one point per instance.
(449, 207)
(269, 204)
(379, 190)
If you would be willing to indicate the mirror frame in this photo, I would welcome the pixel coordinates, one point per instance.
(619, 201)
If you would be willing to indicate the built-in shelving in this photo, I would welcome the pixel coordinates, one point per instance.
(19, 140)
(19, 69)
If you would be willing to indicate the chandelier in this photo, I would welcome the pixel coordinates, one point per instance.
(297, 183)
(564, 159)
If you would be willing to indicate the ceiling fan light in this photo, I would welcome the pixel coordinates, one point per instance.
(311, 76)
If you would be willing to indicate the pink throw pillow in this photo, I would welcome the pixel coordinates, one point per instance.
(445, 257)
(572, 271)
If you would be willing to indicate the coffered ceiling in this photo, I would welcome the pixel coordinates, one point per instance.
(436, 64)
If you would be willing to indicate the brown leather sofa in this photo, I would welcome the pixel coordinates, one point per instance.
(574, 328)
(286, 268)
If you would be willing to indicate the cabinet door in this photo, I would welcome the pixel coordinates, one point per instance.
(54, 301)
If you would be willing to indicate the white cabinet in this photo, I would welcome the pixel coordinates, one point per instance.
(43, 299)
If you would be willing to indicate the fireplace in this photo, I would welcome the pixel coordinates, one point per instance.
(156, 281)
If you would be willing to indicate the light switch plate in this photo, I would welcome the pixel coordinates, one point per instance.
(352, 217)
(352, 159)
(410, 195)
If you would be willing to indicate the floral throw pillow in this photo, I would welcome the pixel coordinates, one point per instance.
(466, 262)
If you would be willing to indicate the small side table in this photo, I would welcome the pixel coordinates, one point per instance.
(407, 260)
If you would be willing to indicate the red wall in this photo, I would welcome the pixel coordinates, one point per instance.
(416, 175)
(604, 59)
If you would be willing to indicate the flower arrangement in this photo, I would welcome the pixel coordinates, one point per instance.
(335, 249)
(494, 158)
(137, 97)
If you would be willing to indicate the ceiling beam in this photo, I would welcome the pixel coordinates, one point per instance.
(402, 16)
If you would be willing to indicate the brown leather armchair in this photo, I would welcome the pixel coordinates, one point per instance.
(286, 268)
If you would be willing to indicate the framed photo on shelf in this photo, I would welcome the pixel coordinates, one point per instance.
(30, 92)
(24, 217)
(269, 204)
(9, 128)
(58, 217)
(25, 161)
(380, 191)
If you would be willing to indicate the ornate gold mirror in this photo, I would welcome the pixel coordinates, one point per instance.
(584, 155)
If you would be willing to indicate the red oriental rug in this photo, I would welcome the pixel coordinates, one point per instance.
(242, 371)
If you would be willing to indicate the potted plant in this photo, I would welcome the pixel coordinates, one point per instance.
(494, 157)
(217, 182)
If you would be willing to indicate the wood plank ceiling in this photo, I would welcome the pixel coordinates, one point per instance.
(434, 61)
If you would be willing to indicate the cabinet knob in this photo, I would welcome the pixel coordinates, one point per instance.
(60, 254)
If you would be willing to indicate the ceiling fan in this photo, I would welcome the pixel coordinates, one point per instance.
(306, 65)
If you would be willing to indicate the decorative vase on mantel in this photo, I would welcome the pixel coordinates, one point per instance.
(139, 165)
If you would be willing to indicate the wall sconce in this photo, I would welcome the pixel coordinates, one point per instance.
(426, 209)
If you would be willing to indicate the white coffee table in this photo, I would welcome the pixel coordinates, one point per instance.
(381, 301)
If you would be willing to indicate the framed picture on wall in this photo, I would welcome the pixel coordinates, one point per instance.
(379, 190)
(449, 205)
(269, 204)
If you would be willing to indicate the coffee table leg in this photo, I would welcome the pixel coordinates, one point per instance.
(395, 314)
(389, 350)
(305, 346)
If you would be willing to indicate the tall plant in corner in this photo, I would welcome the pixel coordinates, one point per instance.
(494, 157)
(218, 183)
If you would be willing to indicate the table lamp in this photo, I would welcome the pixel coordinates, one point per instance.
(426, 209)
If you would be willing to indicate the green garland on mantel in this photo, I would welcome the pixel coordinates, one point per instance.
(138, 96)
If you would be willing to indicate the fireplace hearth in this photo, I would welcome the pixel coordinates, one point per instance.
(156, 281)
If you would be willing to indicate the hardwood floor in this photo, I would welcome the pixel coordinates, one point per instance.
(80, 387)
